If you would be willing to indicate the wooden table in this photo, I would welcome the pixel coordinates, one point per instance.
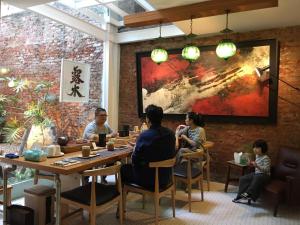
(57, 170)
(230, 164)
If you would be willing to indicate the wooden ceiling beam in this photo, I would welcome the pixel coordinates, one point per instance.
(196, 10)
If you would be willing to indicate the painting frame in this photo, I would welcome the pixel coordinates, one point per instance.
(273, 85)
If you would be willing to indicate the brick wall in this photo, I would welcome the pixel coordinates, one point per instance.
(33, 46)
(229, 137)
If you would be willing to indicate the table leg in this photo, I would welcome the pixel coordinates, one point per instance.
(57, 203)
(227, 178)
(5, 192)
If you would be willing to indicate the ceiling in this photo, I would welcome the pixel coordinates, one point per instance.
(283, 16)
(287, 14)
(27, 3)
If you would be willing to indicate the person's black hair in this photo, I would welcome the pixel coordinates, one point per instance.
(154, 114)
(197, 118)
(99, 110)
(260, 143)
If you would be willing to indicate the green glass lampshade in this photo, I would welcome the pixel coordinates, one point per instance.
(226, 49)
(191, 53)
(159, 55)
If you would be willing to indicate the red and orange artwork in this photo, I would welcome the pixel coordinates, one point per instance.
(210, 86)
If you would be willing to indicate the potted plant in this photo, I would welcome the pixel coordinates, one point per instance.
(248, 150)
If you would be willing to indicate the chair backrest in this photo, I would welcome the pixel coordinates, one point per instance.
(104, 171)
(112, 170)
(193, 155)
(169, 163)
(190, 156)
(165, 163)
(206, 146)
(288, 163)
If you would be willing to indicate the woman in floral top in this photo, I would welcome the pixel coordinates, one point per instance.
(190, 137)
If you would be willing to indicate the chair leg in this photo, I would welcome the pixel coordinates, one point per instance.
(124, 203)
(35, 179)
(276, 207)
(9, 196)
(64, 210)
(121, 211)
(93, 218)
(173, 201)
(144, 200)
(175, 183)
(190, 195)
(156, 206)
(201, 185)
(208, 177)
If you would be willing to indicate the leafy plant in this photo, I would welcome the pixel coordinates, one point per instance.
(33, 113)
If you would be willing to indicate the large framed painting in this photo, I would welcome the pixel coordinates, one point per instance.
(242, 89)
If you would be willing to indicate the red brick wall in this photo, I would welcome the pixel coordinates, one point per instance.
(229, 137)
(33, 46)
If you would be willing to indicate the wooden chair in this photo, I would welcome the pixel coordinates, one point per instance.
(42, 175)
(94, 196)
(190, 175)
(9, 191)
(206, 163)
(158, 192)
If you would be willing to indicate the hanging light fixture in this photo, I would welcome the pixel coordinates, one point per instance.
(226, 48)
(159, 55)
(191, 52)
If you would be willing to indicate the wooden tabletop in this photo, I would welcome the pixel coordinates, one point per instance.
(79, 167)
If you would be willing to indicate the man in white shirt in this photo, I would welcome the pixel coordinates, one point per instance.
(99, 125)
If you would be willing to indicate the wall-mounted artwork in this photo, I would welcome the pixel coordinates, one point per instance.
(241, 89)
(74, 81)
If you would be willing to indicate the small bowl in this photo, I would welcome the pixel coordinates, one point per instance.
(63, 140)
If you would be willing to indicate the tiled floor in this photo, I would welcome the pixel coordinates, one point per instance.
(216, 209)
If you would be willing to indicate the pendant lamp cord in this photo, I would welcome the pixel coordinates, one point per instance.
(191, 25)
(160, 30)
(227, 12)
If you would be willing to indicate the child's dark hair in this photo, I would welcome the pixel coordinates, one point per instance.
(260, 143)
(197, 118)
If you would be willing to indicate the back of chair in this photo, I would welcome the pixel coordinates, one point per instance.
(169, 163)
(288, 163)
(112, 170)
(189, 157)
(104, 171)
(165, 163)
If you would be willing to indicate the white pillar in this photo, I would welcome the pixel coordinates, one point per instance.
(110, 80)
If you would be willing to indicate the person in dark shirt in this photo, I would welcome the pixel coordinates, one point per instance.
(155, 144)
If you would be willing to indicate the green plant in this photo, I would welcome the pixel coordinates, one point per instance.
(247, 148)
(33, 113)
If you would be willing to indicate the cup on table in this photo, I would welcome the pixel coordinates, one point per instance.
(110, 146)
(102, 140)
(53, 150)
(86, 151)
(136, 129)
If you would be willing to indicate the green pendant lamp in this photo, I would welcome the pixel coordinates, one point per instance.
(159, 55)
(191, 52)
(226, 47)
